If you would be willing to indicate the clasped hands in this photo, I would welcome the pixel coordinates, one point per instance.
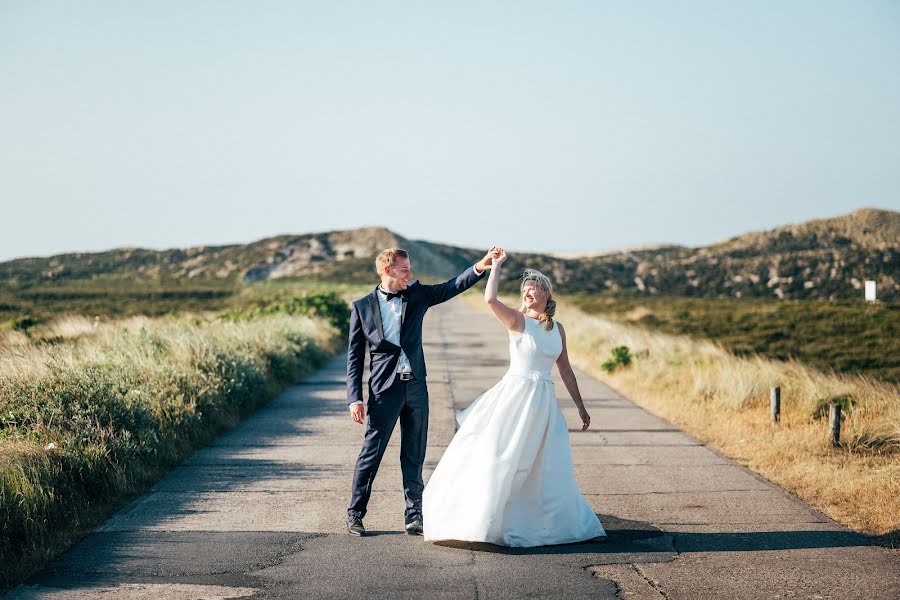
(495, 256)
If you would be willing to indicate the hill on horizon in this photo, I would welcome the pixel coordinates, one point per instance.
(824, 258)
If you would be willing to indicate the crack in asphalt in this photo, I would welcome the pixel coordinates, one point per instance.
(653, 584)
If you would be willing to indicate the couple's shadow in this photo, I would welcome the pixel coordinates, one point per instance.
(612, 542)
(588, 547)
(576, 548)
(637, 537)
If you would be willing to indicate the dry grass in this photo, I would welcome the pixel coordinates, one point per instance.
(723, 400)
(66, 328)
(11, 337)
(138, 340)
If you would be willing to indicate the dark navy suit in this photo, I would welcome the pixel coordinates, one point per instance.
(391, 399)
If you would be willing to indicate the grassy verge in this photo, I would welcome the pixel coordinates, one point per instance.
(845, 336)
(91, 413)
(722, 399)
(23, 306)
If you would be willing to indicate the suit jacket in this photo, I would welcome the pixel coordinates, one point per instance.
(366, 331)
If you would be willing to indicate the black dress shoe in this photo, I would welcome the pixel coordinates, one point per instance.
(355, 526)
(414, 526)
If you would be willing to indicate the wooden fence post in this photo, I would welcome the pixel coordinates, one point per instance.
(775, 403)
(834, 423)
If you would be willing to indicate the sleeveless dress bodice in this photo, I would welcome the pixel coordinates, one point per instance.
(534, 352)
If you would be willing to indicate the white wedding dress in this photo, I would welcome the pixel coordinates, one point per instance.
(507, 476)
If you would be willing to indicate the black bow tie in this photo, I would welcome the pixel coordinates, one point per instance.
(391, 295)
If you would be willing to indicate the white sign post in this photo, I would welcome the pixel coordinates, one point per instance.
(870, 291)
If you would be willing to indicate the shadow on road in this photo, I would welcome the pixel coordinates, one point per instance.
(624, 536)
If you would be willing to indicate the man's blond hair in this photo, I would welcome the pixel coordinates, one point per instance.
(387, 258)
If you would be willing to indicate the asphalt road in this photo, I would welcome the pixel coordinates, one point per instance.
(261, 511)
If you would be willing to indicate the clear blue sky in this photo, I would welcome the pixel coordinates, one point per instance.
(547, 126)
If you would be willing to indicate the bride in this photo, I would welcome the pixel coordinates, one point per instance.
(507, 476)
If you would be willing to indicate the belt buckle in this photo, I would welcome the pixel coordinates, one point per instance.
(406, 377)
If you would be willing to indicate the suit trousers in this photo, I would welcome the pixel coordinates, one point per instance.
(406, 401)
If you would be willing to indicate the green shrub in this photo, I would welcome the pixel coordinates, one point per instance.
(846, 402)
(325, 305)
(24, 323)
(620, 356)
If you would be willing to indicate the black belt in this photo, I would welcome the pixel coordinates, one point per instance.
(406, 376)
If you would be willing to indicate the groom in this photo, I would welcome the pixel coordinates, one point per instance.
(388, 322)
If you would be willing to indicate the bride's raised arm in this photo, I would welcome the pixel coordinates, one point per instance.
(511, 318)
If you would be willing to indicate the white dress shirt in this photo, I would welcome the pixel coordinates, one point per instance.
(391, 320)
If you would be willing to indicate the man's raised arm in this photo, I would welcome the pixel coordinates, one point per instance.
(457, 285)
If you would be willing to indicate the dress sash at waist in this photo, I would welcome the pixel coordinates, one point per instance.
(533, 375)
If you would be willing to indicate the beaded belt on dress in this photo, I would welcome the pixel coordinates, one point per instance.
(533, 375)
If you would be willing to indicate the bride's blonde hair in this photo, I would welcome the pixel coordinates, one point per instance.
(542, 282)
